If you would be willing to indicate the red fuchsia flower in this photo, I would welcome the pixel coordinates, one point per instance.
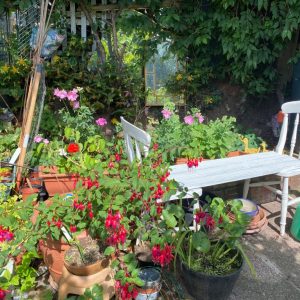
(5, 235)
(193, 163)
(210, 222)
(89, 206)
(126, 291)
(163, 256)
(80, 206)
(135, 196)
(122, 234)
(159, 209)
(188, 120)
(3, 293)
(91, 214)
(72, 95)
(155, 147)
(220, 221)
(73, 148)
(48, 223)
(117, 157)
(166, 113)
(111, 165)
(101, 122)
(164, 177)
(159, 192)
(199, 216)
(73, 228)
(112, 221)
(58, 223)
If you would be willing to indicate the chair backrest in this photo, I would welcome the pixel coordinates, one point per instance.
(288, 108)
(137, 141)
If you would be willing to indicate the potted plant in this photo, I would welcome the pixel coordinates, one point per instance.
(211, 257)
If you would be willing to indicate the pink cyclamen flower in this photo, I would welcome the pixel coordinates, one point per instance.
(76, 105)
(72, 95)
(46, 141)
(166, 113)
(200, 117)
(189, 120)
(37, 139)
(101, 122)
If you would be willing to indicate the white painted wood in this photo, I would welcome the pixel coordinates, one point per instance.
(73, 17)
(83, 26)
(291, 107)
(294, 136)
(284, 205)
(283, 134)
(219, 171)
(246, 188)
(131, 132)
(15, 156)
(93, 2)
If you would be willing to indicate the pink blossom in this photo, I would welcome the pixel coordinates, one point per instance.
(189, 120)
(37, 139)
(166, 113)
(72, 95)
(200, 117)
(56, 92)
(61, 94)
(76, 105)
(101, 122)
(46, 141)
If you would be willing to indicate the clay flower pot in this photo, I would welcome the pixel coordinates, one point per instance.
(27, 191)
(55, 182)
(235, 153)
(87, 269)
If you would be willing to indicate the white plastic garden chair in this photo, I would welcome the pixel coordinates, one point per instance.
(245, 167)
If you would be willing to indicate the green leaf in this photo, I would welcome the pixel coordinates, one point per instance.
(169, 219)
(200, 242)
(109, 250)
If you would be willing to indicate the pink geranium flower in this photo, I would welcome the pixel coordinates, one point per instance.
(189, 120)
(200, 117)
(101, 122)
(37, 139)
(46, 141)
(62, 94)
(76, 105)
(72, 95)
(56, 92)
(166, 113)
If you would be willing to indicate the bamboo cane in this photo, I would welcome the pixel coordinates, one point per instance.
(27, 128)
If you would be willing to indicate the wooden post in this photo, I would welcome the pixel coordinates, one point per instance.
(32, 100)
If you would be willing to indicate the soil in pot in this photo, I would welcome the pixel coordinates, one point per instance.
(211, 285)
(87, 258)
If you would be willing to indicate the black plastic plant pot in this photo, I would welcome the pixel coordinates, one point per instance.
(208, 287)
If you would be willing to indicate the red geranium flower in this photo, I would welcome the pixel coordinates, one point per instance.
(73, 148)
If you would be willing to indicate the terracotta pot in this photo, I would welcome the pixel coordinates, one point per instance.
(53, 254)
(55, 182)
(235, 153)
(181, 160)
(88, 269)
(26, 191)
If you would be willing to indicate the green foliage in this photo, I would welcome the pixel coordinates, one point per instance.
(214, 247)
(12, 82)
(9, 138)
(106, 87)
(212, 140)
(239, 40)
